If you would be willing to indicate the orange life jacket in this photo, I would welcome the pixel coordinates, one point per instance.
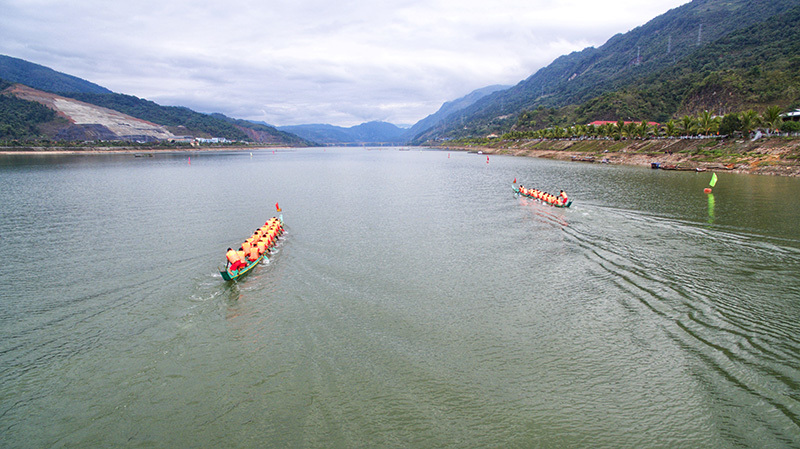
(253, 254)
(232, 256)
(262, 247)
(246, 246)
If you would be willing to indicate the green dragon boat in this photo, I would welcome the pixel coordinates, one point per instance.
(230, 275)
(517, 192)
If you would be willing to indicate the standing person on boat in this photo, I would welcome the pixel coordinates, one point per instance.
(563, 195)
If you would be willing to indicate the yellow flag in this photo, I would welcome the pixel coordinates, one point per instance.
(713, 180)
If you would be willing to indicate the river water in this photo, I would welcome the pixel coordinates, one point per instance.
(413, 303)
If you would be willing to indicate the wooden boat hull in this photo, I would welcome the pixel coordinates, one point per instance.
(516, 191)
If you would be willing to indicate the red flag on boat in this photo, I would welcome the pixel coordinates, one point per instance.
(515, 181)
(278, 208)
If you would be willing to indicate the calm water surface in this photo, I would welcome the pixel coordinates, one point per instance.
(414, 303)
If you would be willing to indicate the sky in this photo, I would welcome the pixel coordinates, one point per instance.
(290, 62)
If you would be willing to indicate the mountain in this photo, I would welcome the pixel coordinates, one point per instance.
(618, 69)
(449, 108)
(385, 133)
(86, 111)
(84, 121)
(364, 134)
(43, 78)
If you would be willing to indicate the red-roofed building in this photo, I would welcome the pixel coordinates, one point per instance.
(605, 122)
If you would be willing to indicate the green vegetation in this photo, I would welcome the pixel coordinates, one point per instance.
(20, 119)
(703, 125)
(663, 70)
(44, 78)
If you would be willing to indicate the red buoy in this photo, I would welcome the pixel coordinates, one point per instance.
(707, 190)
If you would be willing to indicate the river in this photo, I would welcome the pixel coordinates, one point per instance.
(414, 302)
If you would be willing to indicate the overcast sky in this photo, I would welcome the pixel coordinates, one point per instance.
(289, 62)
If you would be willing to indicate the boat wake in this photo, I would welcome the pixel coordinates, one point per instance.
(683, 281)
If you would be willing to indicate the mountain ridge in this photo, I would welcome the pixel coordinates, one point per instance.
(43, 78)
(621, 61)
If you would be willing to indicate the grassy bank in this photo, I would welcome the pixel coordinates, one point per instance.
(774, 156)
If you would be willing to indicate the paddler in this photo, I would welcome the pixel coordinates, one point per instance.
(232, 259)
(235, 259)
(253, 255)
(563, 195)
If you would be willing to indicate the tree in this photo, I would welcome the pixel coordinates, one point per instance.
(790, 127)
(630, 130)
(730, 124)
(771, 118)
(750, 121)
(620, 129)
(643, 129)
(669, 128)
(687, 125)
(707, 123)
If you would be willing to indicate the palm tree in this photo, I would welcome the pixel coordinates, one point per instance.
(620, 128)
(707, 123)
(772, 118)
(643, 129)
(630, 129)
(687, 125)
(750, 120)
(605, 130)
(656, 131)
(669, 128)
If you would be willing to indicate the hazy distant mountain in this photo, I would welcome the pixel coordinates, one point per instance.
(43, 78)
(385, 133)
(634, 76)
(450, 108)
(363, 134)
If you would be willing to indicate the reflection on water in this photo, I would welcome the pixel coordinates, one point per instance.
(711, 208)
(413, 302)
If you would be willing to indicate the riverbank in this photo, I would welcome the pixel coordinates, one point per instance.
(138, 150)
(769, 156)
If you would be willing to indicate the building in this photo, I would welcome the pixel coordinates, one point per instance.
(605, 122)
(793, 116)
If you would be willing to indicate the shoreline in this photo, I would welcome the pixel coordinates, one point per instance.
(34, 151)
(777, 156)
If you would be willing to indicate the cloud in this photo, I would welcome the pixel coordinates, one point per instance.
(309, 61)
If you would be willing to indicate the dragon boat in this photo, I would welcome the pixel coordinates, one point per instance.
(230, 275)
(517, 192)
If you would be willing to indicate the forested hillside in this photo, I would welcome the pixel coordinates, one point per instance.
(26, 120)
(216, 125)
(667, 67)
(44, 78)
(20, 119)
